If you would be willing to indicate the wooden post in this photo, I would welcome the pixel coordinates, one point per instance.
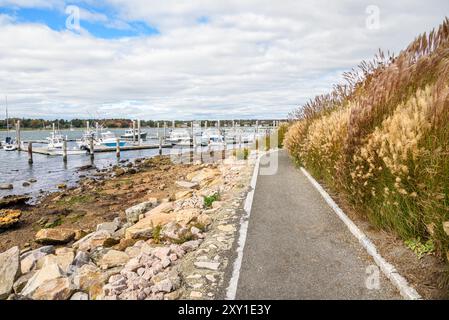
(240, 139)
(64, 150)
(160, 146)
(117, 148)
(158, 130)
(18, 135)
(91, 146)
(225, 145)
(134, 131)
(165, 130)
(138, 132)
(192, 143)
(30, 152)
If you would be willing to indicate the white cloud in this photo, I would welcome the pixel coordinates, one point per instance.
(32, 3)
(251, 59)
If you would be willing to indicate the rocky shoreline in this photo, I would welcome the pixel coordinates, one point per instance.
(172, 245)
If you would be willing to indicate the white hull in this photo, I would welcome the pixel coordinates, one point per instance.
(10, 147)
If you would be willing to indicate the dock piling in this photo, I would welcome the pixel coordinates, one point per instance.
(117, 151)
(19, 145)
(240, 139)
(30, 153)
(192, 142)
(138, 133)
(64, 150)
(134, 131)
(91, 147)
(160, 146)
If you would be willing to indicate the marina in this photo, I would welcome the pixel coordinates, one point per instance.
(34, 158)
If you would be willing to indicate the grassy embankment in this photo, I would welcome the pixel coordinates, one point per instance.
(381, 141)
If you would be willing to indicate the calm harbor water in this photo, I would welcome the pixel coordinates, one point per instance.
(49, 171)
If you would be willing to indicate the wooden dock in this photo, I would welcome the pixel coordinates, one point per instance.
(98, 149)
(47, 152)
(131, 147)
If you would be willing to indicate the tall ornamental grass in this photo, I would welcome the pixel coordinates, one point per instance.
(381, 140)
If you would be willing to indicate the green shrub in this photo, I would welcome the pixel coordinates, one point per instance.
(208, 201)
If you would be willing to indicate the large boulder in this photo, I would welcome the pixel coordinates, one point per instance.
(87, 276)
(20, 283)
(184, 217)
(204, 219)
(9, 271)
(29, 259)
(204, 176)
(183, 194)
(108, 226)
(62, 259)
(55, 289)
(80, 296)
(113, 258)
(165, 207)
(6, 186)
(90, 278)
(133, 213)
(144, 228)
(187, 184)
(9, 218)
(48, 272)
(93, 240)
(13, 200)
(81, 259)
(54, 236)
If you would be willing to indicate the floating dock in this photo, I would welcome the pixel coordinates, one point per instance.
(131, 147)
(98, 149)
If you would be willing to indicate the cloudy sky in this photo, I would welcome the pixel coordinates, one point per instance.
(194, 59)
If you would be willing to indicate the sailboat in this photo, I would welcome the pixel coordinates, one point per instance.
(10, 144)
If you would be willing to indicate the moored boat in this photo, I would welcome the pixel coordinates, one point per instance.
(133, 134)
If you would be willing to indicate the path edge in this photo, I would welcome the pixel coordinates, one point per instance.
(231, 290)
(405, 289)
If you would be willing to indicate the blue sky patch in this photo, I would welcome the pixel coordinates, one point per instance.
(56, 20)
(203, 20)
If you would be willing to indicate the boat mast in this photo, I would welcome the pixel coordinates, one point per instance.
(7, 116)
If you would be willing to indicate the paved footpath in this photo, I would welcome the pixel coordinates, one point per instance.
(297, 248)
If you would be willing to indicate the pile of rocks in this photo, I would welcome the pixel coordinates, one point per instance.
(133, 259)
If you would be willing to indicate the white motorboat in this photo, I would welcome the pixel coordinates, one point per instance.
(186, 142)
(133, 134)
(178, 136)
(212, 137)
(108, 139)
(55, 141)
(10, 144)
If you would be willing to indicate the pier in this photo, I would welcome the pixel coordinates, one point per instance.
(97, 149)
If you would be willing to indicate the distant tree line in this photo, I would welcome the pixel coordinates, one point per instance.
(119, 123)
